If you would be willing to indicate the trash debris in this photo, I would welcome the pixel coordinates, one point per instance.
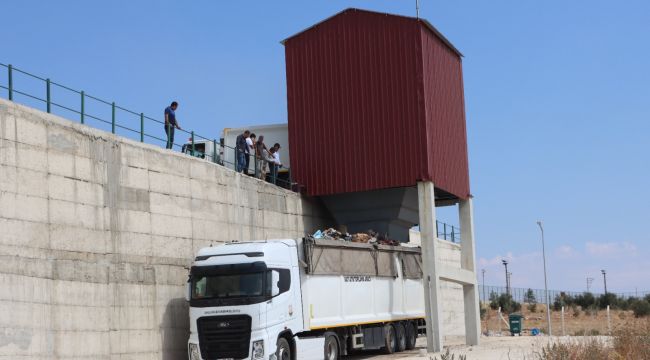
(367, 237)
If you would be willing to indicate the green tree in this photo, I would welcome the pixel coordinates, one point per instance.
(529, 297)
(608, 299)
(585, 300)
(505, 302)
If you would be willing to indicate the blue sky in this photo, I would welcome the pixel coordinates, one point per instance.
(557, 94)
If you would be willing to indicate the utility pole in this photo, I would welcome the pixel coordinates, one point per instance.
(589, 281)
(417, 9)
(548, 301)
(510, 282)
(505, 263)
(604, 280)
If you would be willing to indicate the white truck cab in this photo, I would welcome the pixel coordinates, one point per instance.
(274, 300)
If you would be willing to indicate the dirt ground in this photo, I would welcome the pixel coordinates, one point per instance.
(491, 348)
(576, 321)
(500, 345)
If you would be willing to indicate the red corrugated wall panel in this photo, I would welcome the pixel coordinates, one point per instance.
(445, 116)
(357, 106)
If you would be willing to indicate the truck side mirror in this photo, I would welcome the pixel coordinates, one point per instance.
(188, 289)
(275, 280)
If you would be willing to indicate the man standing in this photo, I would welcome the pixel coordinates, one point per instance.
(241, 149)
(251, 150)
(260, 157)
(171, 123)
(277, 164)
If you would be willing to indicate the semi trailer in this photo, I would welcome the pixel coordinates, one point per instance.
(303, 299)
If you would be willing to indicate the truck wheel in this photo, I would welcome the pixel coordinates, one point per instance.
(331, 346)
(411, 336)
(390, 342)
(400, 335)
(284, 350)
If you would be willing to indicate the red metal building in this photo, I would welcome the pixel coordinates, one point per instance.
(375, 101)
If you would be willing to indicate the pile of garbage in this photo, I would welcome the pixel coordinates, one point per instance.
(368, 237)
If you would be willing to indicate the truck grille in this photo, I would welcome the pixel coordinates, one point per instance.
(224, 336)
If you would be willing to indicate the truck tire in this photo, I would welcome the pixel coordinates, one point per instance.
(390, 340)
(400, 336)
(411, 335)
(332, 350)
(284, 350)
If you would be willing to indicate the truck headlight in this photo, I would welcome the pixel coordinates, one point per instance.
(258, 349)
(194, 352)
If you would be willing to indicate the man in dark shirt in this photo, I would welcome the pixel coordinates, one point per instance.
(241, 150)
(171, 123)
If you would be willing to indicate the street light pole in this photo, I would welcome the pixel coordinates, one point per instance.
(604, 280)
(505, 263)
(548, 301)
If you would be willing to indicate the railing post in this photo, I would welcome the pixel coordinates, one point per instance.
(290, 181)
(192, 142)
(82, 106)
(49, 100)
(444, 231)
(255, 165)
(141, 127)
(214, 150)
(275, 173)
(113, 117)
(10, 80)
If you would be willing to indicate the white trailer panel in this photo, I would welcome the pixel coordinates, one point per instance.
(346, 299)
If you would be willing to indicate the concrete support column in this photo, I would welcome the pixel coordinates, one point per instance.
(431, 281)
(467, 259)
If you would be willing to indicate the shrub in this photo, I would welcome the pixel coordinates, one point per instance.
(587, 350)
(626, 304)
(562, 299)
(632, 342)
(628, 342)
(505, 301)
(494, 301)
(532, 307)
(576, 312)
(585, 300)
(641, 308)
(608, 299)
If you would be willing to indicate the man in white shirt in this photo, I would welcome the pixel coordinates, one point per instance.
(276, 155)
(277, 164)
(250, 150)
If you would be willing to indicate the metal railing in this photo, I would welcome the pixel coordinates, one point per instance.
(87, 107)
(447, 232)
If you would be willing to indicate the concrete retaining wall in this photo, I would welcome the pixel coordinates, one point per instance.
(95, 232)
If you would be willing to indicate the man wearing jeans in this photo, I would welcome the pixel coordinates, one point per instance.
(241, 150)
(171, 123)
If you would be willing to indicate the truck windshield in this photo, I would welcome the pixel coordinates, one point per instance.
(229, 285)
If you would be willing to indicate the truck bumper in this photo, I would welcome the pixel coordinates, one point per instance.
(269, 346)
